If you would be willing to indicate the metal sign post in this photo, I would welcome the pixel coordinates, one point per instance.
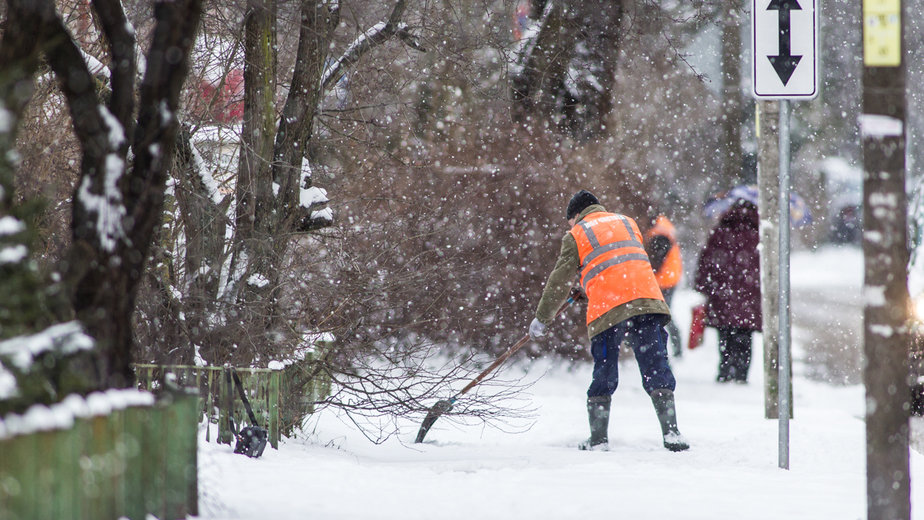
(785, 348)
(784, 67)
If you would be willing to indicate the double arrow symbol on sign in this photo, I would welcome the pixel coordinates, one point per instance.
(785, 63)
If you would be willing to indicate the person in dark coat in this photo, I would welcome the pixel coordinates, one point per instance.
(728, 275)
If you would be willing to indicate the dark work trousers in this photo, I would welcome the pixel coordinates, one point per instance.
(672, 331)
(649, 342)
(734, 354)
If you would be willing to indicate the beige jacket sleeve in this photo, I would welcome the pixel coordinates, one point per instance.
(560, 281)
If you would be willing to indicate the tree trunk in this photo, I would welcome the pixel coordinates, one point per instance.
(732, 111)
(244, 316)
(116, 207)
(258, 131)
(568, 70)
(204, 220)
(254, 186)
(296, 126)
(112, 242)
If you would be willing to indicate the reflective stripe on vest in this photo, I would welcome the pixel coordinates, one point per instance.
(672, 267)
(613, 264)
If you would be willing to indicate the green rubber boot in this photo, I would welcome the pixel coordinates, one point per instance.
(598, 415)
(663, 400)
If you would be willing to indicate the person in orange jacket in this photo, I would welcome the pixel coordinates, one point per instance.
(667, 263)
(623, 299)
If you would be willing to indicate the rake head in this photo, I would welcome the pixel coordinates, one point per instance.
(435, 412)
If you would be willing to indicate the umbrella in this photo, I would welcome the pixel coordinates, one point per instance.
(799, 214)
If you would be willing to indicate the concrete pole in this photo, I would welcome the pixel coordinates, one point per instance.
(768, 181)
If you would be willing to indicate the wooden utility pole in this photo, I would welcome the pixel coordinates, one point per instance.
(882, 127)
(732, 115)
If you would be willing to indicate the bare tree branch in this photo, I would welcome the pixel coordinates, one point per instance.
(368, 40)
(123, 63)
(20, 50)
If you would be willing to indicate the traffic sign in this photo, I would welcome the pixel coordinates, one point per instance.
(785, 44)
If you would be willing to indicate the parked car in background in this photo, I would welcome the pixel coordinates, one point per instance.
(843, 190)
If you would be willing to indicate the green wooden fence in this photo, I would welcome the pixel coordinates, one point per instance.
(218, 397)
(112, 454)
(281, 398)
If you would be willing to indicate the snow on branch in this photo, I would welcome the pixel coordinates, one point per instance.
(202, 173)
(8, 386)
(122, 50)
(96, 67)
(107, 206)
(11, 225)
(66, 338)
(404, 32)
(13, 254)
(368, 40)
(527, 44)
(310, 197)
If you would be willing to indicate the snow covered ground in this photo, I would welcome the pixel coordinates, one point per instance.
(469, 471)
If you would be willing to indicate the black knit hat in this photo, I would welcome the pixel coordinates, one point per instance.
(579, 202)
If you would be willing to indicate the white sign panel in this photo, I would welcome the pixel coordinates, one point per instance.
(785, 60)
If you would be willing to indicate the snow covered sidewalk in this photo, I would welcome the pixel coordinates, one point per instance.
(465, 472)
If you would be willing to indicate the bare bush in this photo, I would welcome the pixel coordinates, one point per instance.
(449, 209)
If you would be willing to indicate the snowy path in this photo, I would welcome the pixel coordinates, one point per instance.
(475, 472)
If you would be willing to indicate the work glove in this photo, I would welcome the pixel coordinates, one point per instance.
(536, 329)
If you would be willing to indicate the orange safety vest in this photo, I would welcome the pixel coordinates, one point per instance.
(614, 266)
(672, 268)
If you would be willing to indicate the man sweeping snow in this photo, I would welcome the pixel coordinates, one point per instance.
(623, 298)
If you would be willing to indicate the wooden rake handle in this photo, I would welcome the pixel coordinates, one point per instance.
(503, 357)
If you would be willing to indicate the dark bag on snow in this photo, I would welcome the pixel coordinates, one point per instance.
(251, 440)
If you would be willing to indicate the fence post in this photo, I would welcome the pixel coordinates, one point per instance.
(103, 494)
(180, 454)
(82, 435)
(6, 478)
(65, 453)
(225, 406)
(209, 407)
(76, 442)
(136, 462)
(192, 457)
(46, 473)
(201, 402)
(154, 468)
(116, 459)
(273, 401)
(19, 478)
